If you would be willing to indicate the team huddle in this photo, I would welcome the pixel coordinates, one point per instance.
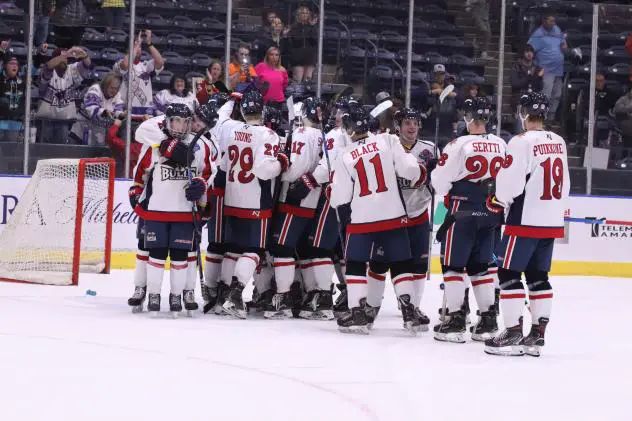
(353, 203)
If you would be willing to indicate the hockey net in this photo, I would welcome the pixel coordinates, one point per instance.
(62, 224)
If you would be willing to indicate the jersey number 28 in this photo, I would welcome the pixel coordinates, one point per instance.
(246, 162)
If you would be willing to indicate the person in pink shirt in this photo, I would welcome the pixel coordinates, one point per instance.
(272, 76)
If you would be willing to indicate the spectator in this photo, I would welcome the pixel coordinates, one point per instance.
(525, 77)
(117, 145)
(102, 102)
(179, 91)
(623, 115)
(69, 20)
(480, 14)
(439, 81)
(213, 82)
(114, 12)
(549, 44)
(303, 37)
(448, 109)
(142, 73)
(57, 85)
(274, 36)
(272, 77)
(12, 89)
(604, 97)
(43, 10)
(240, 69)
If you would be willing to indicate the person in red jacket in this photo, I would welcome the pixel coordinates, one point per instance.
(118, 146)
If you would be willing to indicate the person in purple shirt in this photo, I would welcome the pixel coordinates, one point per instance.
(549, 44)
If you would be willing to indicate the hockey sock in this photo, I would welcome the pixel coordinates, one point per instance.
(419, 284)
(454, 289)
(192, 272)
(228, 267)
(212, 269)
(323, 270)
(263, 277)
(341, 268)
(375, 288)
(155, 271)
(404, 284)
(511, 306)
(178, 273)
(246, 266)
(284, 271)
(540, 295)
(309, 280)
(483, 286)
(493, 272)
(140, 270)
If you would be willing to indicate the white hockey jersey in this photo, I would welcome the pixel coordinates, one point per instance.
(163, 198)
(366, 176)
(465, 164)
(304, 158)
(534, 185)
(251, 166)
(417, 199)
(163, 98)
(336, 142)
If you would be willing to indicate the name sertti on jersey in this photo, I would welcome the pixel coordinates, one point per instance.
(163, 198)
(535, 185)
(366, 175)
(304, 158)
(250, 165)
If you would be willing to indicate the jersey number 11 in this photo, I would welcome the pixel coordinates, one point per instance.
(362, 176)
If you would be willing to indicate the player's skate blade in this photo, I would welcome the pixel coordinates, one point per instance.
(457, 338)
(534, 350)
(506, 351)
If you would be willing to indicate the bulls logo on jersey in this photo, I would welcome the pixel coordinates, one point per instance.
(176, 174)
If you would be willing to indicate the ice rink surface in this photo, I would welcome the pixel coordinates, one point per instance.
(65, 355)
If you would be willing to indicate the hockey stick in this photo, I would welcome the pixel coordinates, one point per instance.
(597, 221)
(381, 107)
(197, 236)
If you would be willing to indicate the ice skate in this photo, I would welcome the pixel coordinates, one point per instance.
(424, 320)
(153, 305)
(264, 300)
(371, 315)
(452, 329)
(325, 306)
(175, 305)
(341, 306)
(223, 291)
(532, 344)
(310, 305)
(234, 304)
(209, 296)
(411, 322)
(189, 302)
(137, 299)
(507, 343)
(355, 321)
(280, 307)
(487, 326)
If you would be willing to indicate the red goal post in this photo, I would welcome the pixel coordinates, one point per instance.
(62, 224)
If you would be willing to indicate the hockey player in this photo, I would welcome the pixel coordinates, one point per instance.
(365, 176)
(531, 190)
(253, 160)
(465, 173)
(298, 199)
(165, 205)
(417, 200)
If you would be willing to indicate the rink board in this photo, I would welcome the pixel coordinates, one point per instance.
(587, 249)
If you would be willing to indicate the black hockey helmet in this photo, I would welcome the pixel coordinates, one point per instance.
(310, 106)
(178, 120)
(218, 99)
(477, 108)
(407, 114)
(271, 117)
(534, 104)
(251, 103)
(208, 114)
(355, 119)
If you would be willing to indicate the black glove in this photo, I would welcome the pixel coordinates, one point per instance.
(175, 151)
(134, 193)
(443, 229)
(300, 188)
(431, 164)
(195, 190)
(284, 160)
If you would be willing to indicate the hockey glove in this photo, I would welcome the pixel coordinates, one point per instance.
(494, 206)
(300, 188)
(431, 164)
(195, 190)
(134, 195)
(284, 160)
(174, 150)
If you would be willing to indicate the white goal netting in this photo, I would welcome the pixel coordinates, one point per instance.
(47, 240)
